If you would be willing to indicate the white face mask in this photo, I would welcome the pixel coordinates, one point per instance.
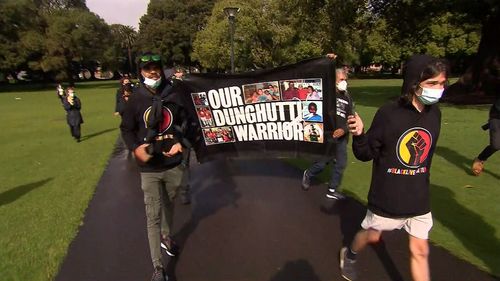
(430, 96)
(152, 83)
(342, 85)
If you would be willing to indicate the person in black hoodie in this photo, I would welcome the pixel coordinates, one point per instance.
(151, 127)
(401, 142)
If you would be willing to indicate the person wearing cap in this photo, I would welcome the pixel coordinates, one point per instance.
(151, 128)
(401, 142)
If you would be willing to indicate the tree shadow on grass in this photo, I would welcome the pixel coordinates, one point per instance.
(460, 161)
(89, 136)
(15, 193)
(470, 228)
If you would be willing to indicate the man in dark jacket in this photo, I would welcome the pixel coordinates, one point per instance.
(401, 142)
(340, 136)
(150, 127)
(72, 105)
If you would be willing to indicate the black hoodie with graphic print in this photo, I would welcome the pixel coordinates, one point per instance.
(136, 125)
(401, 142)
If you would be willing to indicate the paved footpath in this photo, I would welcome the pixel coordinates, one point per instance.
(249, 221)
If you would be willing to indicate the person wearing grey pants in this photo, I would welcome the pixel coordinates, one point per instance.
(149, 127)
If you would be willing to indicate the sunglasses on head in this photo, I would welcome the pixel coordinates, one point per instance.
(148, 58)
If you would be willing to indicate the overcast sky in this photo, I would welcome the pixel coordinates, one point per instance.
(126, 12)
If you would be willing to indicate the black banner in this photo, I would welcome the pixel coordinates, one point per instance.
(282, 112)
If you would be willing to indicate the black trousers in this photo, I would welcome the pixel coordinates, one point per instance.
(75, 131)
(494, 145)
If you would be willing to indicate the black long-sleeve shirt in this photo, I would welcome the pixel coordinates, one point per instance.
(401, 142)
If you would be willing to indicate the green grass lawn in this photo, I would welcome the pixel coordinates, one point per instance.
(465, 208)
(47, 179)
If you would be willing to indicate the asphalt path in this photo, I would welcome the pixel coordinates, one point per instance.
(249, 220)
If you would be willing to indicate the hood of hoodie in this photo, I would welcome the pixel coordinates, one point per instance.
(412, 71)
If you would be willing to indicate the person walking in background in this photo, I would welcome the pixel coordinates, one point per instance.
(494, 127)
(340, 137)
(150, 128)
(401, 142)
(126, 91)
(119, 94)
(73, 105)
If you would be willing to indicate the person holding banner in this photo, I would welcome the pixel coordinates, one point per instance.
(340, 138)
(151, 127)
(401, 142)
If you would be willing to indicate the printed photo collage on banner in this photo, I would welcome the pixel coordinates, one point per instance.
(276, 110)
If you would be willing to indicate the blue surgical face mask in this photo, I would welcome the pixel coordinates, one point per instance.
(152, 83)
(430, 96)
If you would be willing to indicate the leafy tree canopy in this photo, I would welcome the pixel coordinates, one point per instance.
(169, 27)
(267, 34)
(74, 35)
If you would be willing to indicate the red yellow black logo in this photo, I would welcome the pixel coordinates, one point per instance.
(167, 119)
(413, 147)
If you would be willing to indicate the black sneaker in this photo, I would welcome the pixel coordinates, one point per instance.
(347, 266)
(159, 274)
(306, 181)
(333, 194)
(169, 245)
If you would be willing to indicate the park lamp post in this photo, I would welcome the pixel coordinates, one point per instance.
(231, 16)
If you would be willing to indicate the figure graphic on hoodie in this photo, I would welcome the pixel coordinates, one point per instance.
(401, 142)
